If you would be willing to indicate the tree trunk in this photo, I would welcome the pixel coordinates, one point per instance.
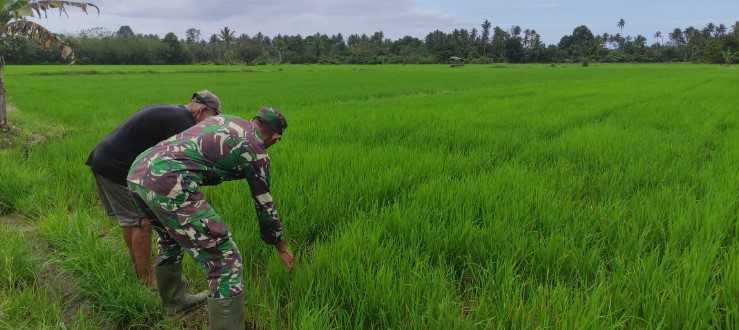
(3, 107)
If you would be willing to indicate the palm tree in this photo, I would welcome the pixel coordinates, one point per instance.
(657, 35)
(710, 28)
(226, 35)
(515, 30)
(720, 30)
(690, 34)
(621, 23)
(485, 35)
(13, 22)
(676, 36)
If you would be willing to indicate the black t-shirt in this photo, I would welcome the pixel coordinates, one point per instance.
(112, 157)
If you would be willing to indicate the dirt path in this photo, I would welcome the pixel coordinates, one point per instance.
(7, 136)
(15, 223)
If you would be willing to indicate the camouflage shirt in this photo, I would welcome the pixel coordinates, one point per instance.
(220, 148)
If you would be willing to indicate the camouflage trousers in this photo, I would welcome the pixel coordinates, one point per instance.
(188, 223)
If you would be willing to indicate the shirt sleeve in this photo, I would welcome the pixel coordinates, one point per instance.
(259, 179)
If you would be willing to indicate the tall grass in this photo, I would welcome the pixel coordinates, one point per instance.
(424, 197)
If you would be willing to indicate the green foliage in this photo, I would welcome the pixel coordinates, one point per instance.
(125, 47)
(22, 191)
(94, 260)
(23, 302)
(31, 308)
(31, 296)
(17, 265)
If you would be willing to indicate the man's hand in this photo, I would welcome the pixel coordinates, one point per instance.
(285, 256)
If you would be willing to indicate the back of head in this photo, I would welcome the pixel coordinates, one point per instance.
(273, 118)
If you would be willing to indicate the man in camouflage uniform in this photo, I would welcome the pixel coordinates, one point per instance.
(168, 177)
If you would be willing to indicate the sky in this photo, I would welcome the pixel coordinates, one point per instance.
(552, 19)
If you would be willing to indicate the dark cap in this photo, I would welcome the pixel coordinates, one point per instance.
(273, 118)
(208, 99)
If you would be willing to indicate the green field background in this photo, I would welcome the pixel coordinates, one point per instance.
(422, 197)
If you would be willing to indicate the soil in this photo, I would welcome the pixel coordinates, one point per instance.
(7, 136)
(15, 222)
(198, 319)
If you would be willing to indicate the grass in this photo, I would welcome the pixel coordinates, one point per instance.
(422, 196)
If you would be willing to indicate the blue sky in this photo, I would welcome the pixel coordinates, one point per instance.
(552, 19)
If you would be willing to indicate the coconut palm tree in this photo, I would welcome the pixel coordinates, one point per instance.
(676, 36)
(13, 22)
(710, 27)
(621, 23)
(658, 35)
(485, 35)
(690, 34)
(720, 30)
(227, 35)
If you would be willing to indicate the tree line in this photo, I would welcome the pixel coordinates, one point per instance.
(710, 44)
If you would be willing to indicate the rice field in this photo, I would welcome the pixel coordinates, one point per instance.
(419, 197)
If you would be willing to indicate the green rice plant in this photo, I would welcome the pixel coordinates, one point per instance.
(26, 299)
(22, 186)
(423, 197)
(30, 308)
(17, 264)
(102, 269)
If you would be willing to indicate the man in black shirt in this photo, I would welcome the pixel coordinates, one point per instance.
(110, 162)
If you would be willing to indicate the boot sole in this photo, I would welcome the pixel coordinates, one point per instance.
(179, 315)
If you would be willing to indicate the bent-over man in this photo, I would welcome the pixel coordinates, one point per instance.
(168, 178)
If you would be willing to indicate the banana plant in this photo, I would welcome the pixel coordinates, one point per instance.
(728, 56)
(14, 23)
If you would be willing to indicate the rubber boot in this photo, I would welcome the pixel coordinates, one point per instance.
(172, 288)
(226, 313)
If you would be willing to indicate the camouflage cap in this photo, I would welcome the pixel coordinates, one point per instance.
(272, 117)
(209, 99)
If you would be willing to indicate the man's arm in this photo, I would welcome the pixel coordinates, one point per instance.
(269, 223)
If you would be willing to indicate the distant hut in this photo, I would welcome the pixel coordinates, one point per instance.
(456, 61)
